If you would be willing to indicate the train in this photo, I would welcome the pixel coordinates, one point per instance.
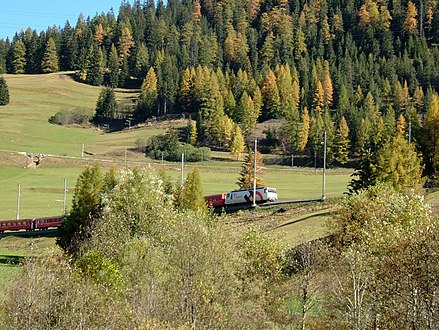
(234, 198)
(241, 197)
(31, 224)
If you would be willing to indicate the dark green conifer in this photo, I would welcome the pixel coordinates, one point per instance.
(4, 92)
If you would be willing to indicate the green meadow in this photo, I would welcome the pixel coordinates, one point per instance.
(24, 127)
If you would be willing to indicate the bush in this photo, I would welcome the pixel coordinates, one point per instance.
(168, 145)
(77, 115)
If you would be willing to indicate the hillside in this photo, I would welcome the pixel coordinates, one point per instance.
(24, 127)
(352, 68)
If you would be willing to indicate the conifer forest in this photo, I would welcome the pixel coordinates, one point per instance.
(354, 80)
(359, 70)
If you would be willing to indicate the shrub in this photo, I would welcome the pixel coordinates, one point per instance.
(167, 145)
(77, 115)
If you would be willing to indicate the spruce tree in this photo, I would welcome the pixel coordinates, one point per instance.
(399, 164)
(112, 77)
(238, 145)
(4, 92)
(18, 57)
(49, 63)
(190, 196)
(86, 206)
(148, 99)
(141, 61)
(106, 106)
(342, 143)
(246, 175)
(93, 69)
(365, 174)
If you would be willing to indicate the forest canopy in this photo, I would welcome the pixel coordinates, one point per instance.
(352, 68)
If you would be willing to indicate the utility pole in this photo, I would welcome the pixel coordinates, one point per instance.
(82, 151)
(292, 160)
(254, 176)
(65, 197)
(410, 131)
(182, 169)
(324, 168)
(18, 201)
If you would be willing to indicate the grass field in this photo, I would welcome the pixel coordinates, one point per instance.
(42, 188)
(24, 127)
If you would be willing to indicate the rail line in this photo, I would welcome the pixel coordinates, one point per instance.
(50, 225)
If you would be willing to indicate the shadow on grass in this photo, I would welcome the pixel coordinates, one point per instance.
(32, 233)
(303, 219)
(9, 260)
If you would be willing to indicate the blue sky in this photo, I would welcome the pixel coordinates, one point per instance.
(40, 14)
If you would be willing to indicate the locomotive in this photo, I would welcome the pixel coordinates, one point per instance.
(242, 197)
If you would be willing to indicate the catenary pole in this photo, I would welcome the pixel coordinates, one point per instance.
(65, 197)
(254, 175)
(324, 168)
(18, 201)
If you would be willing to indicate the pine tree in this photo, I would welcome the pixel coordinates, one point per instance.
(401, 125)
(4, 92)
(304, 131)
(238, 145)
(148, 98)
(342, 142)
(125, 44)
(319, 98)
(399, 164)
(187, 92)
(270, 93)
(365, 171)
(410, 22)
(99, 34)
(432, 132)
(389, 124)
(267, 51)
(190, 196)
(364, 17)
(86, 206)
(288, 105)
(225, 131)
(49, 63)
(316, 131)
(328, 89)
(18, 58)
(141, 61)
(326, 31)
(362, 137)
(385, 17)
(418, 99)
(112, 78)
(196, 12)
(299, 40)
(106, 106)
(93, 69)
(246, 176)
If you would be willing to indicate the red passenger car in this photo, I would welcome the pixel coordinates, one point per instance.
(16, 225)
(44, 223)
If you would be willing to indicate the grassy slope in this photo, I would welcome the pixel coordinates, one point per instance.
(24, 127)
